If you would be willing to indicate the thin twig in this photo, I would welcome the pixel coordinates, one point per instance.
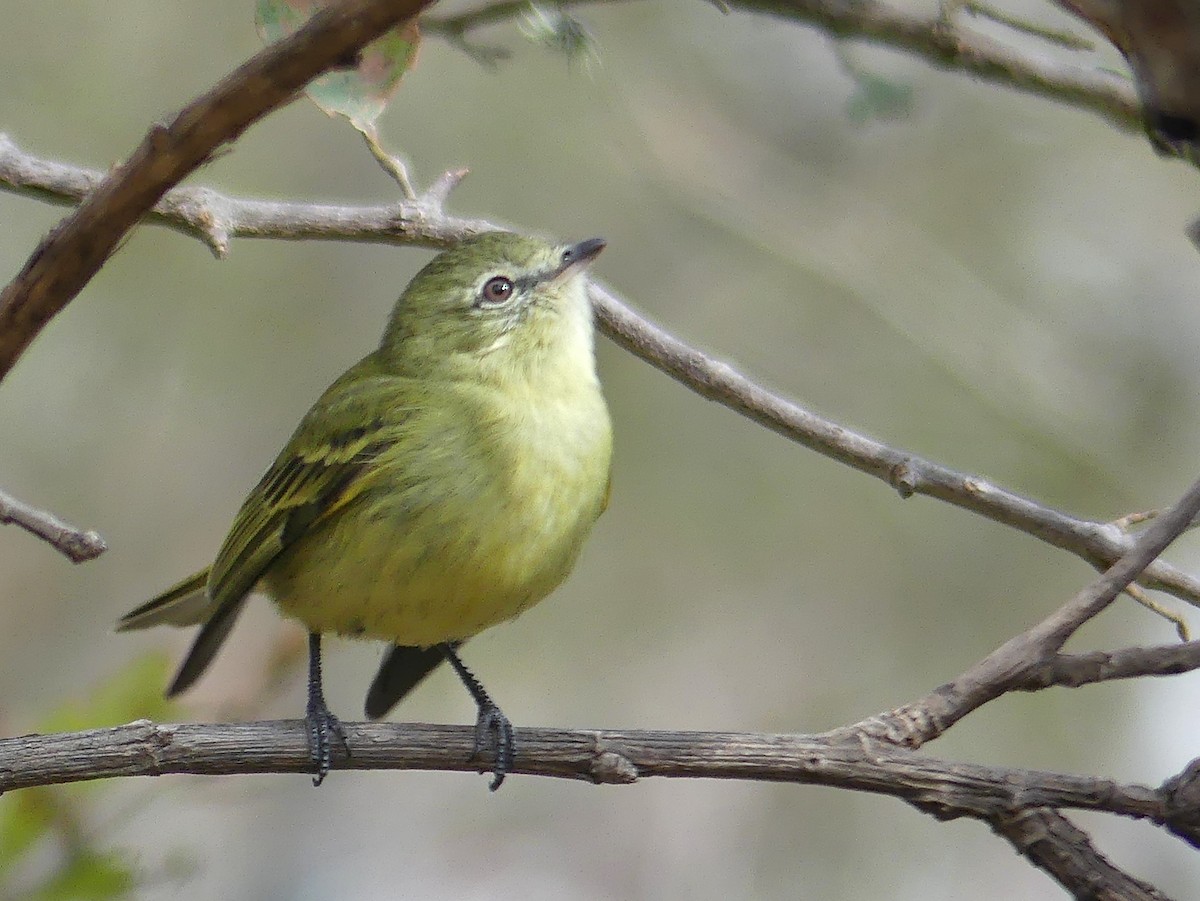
(395, 167)
(1101, 544)
(1075, 670)
(1175, 617)
(927, 36)
(1010, 665)
(1052, 843)
(1057, 36)
(79, 245)
(216, 219)
(78, 545)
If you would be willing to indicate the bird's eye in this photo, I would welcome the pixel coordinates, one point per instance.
(498, 289)
(568, 257)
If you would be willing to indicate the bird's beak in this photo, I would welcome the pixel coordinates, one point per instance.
(578, 256)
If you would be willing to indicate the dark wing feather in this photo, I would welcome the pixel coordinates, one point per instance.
(319, 471)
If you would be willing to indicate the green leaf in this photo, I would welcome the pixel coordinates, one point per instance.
(91, 875)
(360, 94)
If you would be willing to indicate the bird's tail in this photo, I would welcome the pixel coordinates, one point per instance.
(401, 671)
(184, 604)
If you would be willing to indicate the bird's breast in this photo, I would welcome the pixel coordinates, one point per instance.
(477, 514)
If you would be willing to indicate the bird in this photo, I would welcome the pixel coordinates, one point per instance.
(443, 484)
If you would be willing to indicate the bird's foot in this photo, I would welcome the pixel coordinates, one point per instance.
(494, 731)
(492, 728)
(323, 726)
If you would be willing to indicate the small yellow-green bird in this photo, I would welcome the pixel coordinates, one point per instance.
(443, 484)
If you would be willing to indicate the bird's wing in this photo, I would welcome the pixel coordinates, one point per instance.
(185, 603)
(319, 471)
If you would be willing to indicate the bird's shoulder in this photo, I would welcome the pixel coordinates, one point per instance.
(319, 470)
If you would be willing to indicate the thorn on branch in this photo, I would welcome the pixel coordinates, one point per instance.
(78, 545)
(201, 208)
(437, 194)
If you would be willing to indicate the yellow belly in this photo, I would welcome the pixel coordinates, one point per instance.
(422, 586)
(441, 553)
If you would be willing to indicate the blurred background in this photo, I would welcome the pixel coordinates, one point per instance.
(991, 280)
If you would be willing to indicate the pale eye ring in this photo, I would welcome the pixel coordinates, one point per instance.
(498, 289)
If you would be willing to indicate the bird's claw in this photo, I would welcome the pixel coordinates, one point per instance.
(323, 726)
(493, 730)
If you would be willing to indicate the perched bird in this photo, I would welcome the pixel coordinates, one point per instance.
(443, 484)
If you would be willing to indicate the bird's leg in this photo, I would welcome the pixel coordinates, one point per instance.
(322, 725)
(491, 721)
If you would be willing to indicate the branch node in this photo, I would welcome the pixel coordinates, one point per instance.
(909, 726)
(159, 137)
(1181, 798)
(612, 768)
(904, 478)
(437, 194)
(977, 487)
(203, 209)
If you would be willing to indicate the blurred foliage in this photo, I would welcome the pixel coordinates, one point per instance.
(550, 26)
(56, 818)
(134, 692)
(360, 92)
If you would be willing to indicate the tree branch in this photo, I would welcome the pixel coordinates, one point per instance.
(79, 245)
(1011, 800)
(76, 544)
(1053, 844)
(932, 38)
(1010, 665)
(1075, 670)
(216, 219)
(609, 757)
(1019, 804)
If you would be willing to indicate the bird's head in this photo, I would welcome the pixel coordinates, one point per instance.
(498, 301)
